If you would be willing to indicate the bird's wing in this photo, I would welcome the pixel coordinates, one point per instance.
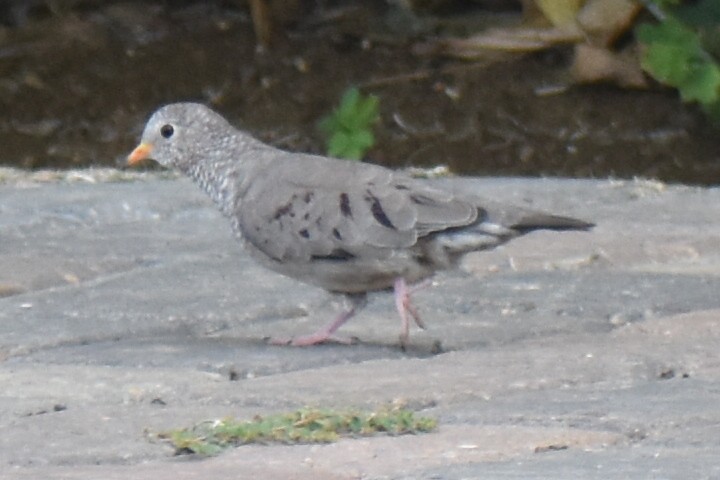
(305, 208)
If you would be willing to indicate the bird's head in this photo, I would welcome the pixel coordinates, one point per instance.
(181, 134)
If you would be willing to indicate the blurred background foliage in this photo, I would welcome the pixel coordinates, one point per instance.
(541, 87)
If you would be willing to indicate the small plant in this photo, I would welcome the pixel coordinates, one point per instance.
(681, 50)
(303, 426)
(348, 129)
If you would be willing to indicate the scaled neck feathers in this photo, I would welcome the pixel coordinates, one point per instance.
(223, 176)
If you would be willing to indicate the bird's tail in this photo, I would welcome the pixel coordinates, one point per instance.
(544, 221)
(494, 228)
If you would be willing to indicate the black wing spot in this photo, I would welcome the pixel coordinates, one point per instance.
(378, 212)
(308, 196)
(482, 214)
(345, 205)
(401, 187)
(423, 260)
(337, 255)
(304, 233)
(336, 234)
(284, 210)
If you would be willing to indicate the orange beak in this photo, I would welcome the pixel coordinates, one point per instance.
(141, 152)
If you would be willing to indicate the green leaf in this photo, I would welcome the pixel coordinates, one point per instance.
(348, 104)
(348, 129)
(703, 85)
(669, 32)
(338, 144)
(674, 55)
(363, 139)
(367, 110)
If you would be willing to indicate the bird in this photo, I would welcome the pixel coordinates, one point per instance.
(348, 227)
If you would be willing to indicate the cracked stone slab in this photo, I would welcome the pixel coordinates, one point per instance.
(126, 308)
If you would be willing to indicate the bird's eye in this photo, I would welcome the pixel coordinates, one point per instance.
(167, 131)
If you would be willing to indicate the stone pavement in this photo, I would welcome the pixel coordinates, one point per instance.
(126, 308)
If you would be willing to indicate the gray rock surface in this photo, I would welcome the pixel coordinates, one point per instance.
(126, 307)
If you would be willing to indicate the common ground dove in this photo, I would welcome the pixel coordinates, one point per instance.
(345, 226)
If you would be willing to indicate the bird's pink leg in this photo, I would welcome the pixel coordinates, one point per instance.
(327, 333)
(404, 307)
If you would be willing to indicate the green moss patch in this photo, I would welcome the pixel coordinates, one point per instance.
(307, 425)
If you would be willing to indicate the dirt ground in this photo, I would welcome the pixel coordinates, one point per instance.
(77, 83)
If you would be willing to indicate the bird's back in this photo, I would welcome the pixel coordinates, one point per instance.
(353, 227)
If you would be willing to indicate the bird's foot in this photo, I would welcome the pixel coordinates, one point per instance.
(404, 307)
(316, 338)
(324, 335)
